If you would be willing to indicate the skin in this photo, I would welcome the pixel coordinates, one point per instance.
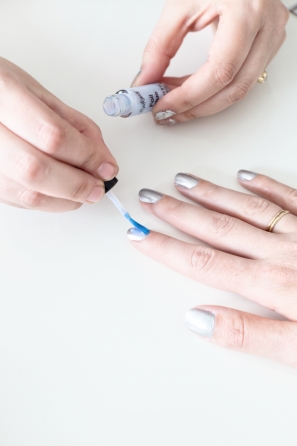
(248, 35)
(52, 158)
(242, 258)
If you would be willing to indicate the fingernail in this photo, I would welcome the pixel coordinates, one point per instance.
(167, 122)
(164, 115)
(246, 175)
(136, 235)
(200, 321)
(107, 171)
(96, 194)
(134, 80)
(149, 196)
(185, 180)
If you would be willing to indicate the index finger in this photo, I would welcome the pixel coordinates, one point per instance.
(232, 43)
(32, 120)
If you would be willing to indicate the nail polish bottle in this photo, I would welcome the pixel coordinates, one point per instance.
(134, 101)
(108, 185)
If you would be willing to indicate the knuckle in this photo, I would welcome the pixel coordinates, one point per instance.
(91, 160)
(186, 101)
(238, 91)
(283, 274)
(6, 77)
(189, 115)
(202, 258)
(283, 17)
(51, 137)
(223, 74)
(80, 191)
(236, 332)
(31, 199)
(255, 206)
(221, 224)
(29, 169)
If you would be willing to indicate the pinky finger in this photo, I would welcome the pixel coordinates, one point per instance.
(245, 332)
(14, 194)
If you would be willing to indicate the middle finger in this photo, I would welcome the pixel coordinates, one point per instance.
(249, 208)
(221, 231)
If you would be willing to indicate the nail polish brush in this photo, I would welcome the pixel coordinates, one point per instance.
(108, 186)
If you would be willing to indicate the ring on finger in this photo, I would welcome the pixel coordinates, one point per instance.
(276, 219)
(262, 78)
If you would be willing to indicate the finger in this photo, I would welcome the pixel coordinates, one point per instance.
(9, 203)
(257, 60)
(32, 120)
(37, 171)
(163, 44)
(77, 120)
(245, 332)
(14, 194)
(231, 45)
(219, 230)
(283, 196)
(254, 210)
(205, 265)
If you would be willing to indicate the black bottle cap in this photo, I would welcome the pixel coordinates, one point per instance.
(110, 184)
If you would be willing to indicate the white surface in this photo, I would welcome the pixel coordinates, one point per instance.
(93, 346)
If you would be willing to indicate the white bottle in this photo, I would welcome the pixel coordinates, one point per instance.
(134, 101)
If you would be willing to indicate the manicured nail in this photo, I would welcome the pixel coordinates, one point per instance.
(149, 196)
(164, 115)
(136, 235)
(200, 321)
(185, 180)
(166, 122)
(107, 171)
(134, 80)
(96, 194)
(246, 175)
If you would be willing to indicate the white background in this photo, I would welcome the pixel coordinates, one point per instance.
(93, 347)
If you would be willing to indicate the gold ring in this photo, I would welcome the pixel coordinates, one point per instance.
(276, 219)
(262, 78)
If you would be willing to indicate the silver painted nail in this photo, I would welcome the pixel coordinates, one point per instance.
(149, 196)
(167, 122)
(200, 321)
(185, 180)
(135, 234)
(159, 116)
(246, 175)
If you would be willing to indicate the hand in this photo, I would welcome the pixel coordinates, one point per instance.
(248, 36)
(52, 158)
(243, 259)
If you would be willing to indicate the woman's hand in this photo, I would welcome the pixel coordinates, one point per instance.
(243, 258)
(248, 35)
(52, 158)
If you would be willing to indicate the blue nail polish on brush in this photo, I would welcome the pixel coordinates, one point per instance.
(120, 207)
(137, 225)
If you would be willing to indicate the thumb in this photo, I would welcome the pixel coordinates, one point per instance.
(245, 332)
(162, 46)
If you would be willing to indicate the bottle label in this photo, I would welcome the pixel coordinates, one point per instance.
(144, 98)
